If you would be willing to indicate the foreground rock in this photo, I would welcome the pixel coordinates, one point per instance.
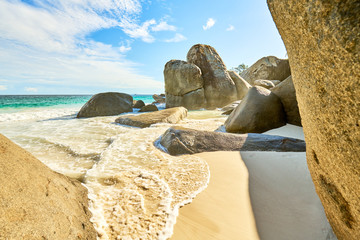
(322, 39)
(242, 86)
(259, 111)
(106, 104)
(170, 115)
(270, 68)
(178, 140)
(218, 85)
(149, 108)
(37, 203)
(286, 92)
(184, 85)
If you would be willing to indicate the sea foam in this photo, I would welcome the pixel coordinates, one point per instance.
(135, 189)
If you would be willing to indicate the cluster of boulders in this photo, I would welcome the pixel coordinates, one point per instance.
(266, 90)
(202, 81)
(264, 109)
(271, 103)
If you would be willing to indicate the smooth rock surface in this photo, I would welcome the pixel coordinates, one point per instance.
(106, 104)
(219, 88)
(184, 85)
(178, 140)
(149, 108)
(182, 77)
(259, 111)
(242, 86)
(322, 39)
(138, 104)
(170, 115)
(38, 203)
(270, 68)
(286, 92)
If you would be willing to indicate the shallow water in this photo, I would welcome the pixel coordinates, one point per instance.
(135, 189)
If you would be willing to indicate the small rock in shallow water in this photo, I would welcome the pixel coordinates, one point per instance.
(170, 115)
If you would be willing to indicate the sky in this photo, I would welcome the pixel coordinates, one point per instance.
(92, 46)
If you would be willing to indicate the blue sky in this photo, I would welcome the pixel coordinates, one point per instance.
(91, 46)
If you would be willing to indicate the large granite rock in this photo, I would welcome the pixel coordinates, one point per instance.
(286, 92)
(37, 203)
(218, 85)
(270, 68)
(242, 86)
(178, 140)
(170, 115)
(259, 111)
(184, 85)
(322, 39)
(106, 104)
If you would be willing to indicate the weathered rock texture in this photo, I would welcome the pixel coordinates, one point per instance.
(184, 85)
(286, 92)
(242, 86)
(106, 104)
(37, 203)
(218, 85)
(270, 68)
(170, 115)
(322, 39)
(259, 111)
(178, 140)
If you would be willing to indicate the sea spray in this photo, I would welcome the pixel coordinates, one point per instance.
(135, 189)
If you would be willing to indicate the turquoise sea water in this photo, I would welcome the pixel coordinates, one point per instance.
(14, 103)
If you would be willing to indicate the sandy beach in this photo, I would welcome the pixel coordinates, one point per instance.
(256, 195)
(223, 210)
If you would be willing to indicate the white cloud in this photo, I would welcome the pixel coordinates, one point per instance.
(177, 38)
(124, 49)
(47, 43)
(3, 88)
(163, 26)
(31, 89)
(138, 31)
(230, 28)
(209, 24)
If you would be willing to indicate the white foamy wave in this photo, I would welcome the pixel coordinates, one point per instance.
(135, 189)
(39, 114)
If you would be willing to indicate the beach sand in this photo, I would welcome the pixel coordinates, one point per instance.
(252, 195)
(223, 210)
